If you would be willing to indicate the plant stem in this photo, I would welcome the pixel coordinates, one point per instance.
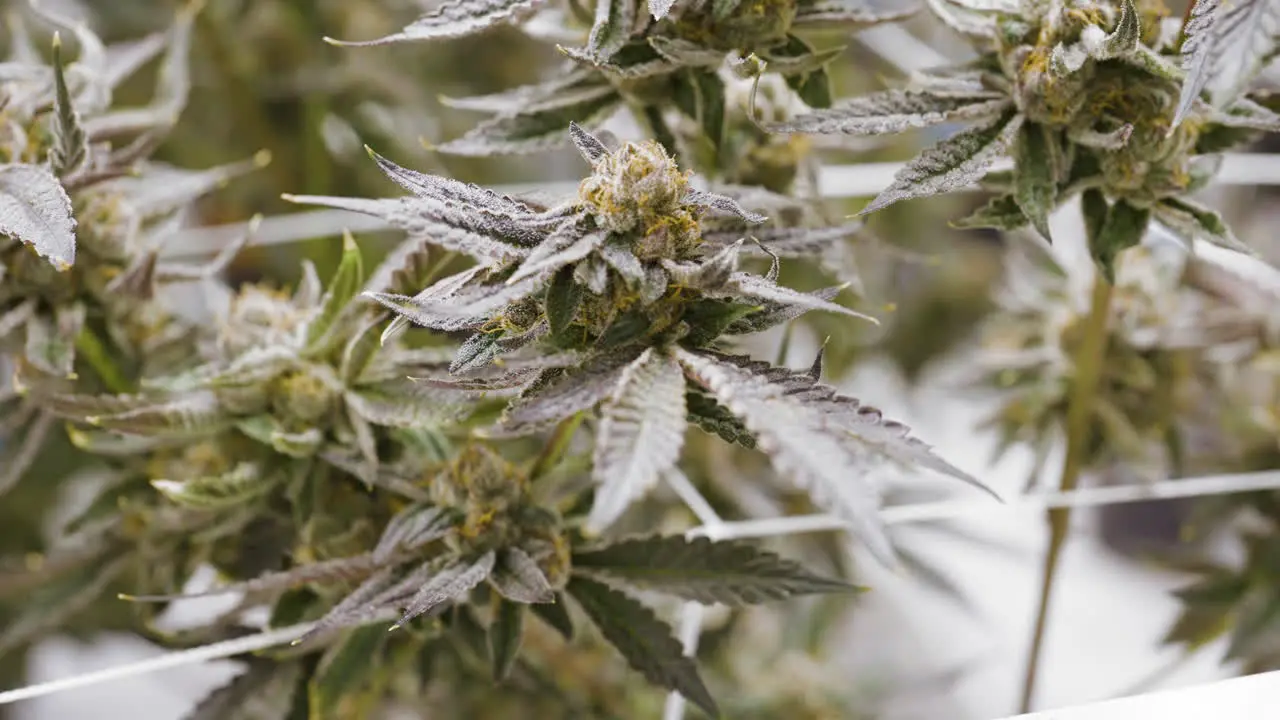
(1088, 369)
(92, 350)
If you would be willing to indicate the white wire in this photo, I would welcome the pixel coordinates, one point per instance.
(834, 182)
(204, 653)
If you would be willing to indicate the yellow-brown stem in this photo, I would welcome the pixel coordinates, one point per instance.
(1088, 369)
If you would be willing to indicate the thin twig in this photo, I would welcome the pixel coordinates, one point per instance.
(1088, 371)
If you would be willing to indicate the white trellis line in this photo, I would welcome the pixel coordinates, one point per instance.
(834, 181)
(713, 527)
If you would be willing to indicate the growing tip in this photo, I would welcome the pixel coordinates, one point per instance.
(348, 241)
(57, 41)
(427, 144)
(262, 158)
(255, 222)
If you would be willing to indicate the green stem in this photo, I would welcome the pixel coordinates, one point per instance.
(1088, 369)
(556, 446)
(89, 347)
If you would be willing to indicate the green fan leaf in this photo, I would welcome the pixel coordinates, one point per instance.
(644, 640)
(730, 572)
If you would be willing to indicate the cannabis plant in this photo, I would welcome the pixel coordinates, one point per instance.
(537, 429)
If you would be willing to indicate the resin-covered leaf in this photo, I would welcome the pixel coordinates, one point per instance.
(1191, 221)
(722, 203)
(35, 210)
(952, 164)
(757, 288)
(453, 19)
(448, 585)
(412, 528)
(241, 484)
(1226, 43)
(1035, 177)
(729, 571)
(641, 434)
(645, 641)
(615, 21)
(802, 444)
(490, 238)
(517, 577)
(894, 111)
(564, 393)
(561, 248)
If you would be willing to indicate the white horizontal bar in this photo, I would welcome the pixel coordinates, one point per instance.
(948, 509)
(835, 182)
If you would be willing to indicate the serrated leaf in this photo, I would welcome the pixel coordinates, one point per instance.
(757, 288)
(711, 417)
(1123, 228)
(265, 691)
(490, 238)
(1245, 113)
(894, 111)
(405, 404)
(1000, 213)
(517, 577)
(70, 143)
(729, 572)
(436, 187)
(346, 282)
(615, 21)
(799, 441)
(956, 162)
(660, 8)
(412, 528)
(505, 634)
(35, 210)
(1226, 43)
(774, 314)
(535, 130)
(1193, 221)
(186, 415)
(454, 19)
(446, 586)
(1034, 176)
(556, 615)
(346, 668)
(241, 484)
(564, 296)
(593, 150)
(569, 392)
(722, 203)
(561, 248)
(644, 640)
(641, 434)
